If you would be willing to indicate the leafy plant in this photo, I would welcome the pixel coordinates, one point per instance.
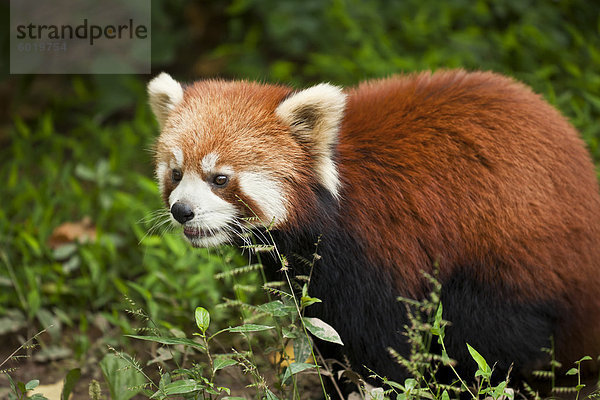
(20, 389)
(124, 379)
(577, 372)
(426, 324)
(286, 323)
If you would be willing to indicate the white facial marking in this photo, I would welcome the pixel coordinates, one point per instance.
(161, 169)
(212, 214)
(209, 162)
(266, 193)
(178, 155)
(225, 169)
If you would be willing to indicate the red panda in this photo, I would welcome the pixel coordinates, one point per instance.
(470, 173)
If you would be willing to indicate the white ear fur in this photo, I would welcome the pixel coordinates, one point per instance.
(314, 116)
(164, 93)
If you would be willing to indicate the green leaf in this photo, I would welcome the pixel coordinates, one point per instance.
(85, 173)
(295, 368)
(32, 384)
(165, 379)
(437, 329)
(179, 387)
(305, 290)
(302, 348)
(307, 301)
(572, 371)
(446, 360)
(33, 243)
(593, 100)
(249, 328)
(64, 251)
(445, 395)
(276, 308)
(22, 127)
(481, 363)
(286, 332)
(395, 385)
(70, 380)
(222, 362)
(13, 386)
(120, 376)
(145, 293)
(33, 301)
(499, 390)
(322, 330)
(270, 395)
(202, 319)
(223, 389)
(170, 341)
(410, 384)
(376, 394)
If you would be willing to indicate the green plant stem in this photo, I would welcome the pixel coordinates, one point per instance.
(210, 359)
(578, 380)
(463, 383)
(284, 268)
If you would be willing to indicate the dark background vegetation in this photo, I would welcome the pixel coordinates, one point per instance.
(76, 147)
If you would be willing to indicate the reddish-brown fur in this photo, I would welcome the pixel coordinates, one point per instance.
(479, 165)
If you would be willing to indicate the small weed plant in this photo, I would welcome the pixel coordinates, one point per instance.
(277, 331)
(21, 390)
(279, 322)
(425, 326)
(284, 334)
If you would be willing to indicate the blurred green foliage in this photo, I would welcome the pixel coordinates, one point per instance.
(554, 46)
(77, 146)
(63, 169)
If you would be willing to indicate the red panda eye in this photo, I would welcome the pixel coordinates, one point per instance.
(220, 180)
(176, 175)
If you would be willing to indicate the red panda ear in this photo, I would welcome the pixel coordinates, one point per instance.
(314, 116)
(165, 93)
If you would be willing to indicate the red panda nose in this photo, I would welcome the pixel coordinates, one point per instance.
(182, 212)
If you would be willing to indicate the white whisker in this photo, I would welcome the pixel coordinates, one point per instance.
(159, 223)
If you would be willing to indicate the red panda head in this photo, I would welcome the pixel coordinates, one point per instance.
(230, 152)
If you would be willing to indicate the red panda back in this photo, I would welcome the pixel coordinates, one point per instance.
(473, 169)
